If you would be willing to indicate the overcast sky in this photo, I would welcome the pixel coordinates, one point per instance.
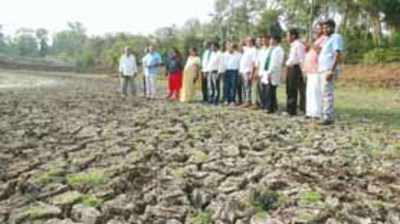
(101, 16)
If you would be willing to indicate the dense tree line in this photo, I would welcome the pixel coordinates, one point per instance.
(371, 29)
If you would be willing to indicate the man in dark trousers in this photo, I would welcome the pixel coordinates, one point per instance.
(295, 84)
(205, 59)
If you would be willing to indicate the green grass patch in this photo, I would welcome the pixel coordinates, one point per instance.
(68, 198)
(94, 178)
(50, 176)
(310, 198)
(202, 218)
(262, 215)
(179, 172)
(92, 201)
(199, 156)
(40, 210)
(265, 200)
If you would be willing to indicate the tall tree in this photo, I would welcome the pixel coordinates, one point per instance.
(26, 42)
(391, 10)
(42, 37)
(70, 42)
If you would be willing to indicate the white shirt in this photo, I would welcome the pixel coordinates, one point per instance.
(248, 60)
(297, 53)
(145, 70)
(205, 59)
(232, 60)
(127, 65)
(328, 53)
(221, 63)
(262, 55)
(275, 67)
(214, 61)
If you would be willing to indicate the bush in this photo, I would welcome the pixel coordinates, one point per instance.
(85, 62)
(381, 55)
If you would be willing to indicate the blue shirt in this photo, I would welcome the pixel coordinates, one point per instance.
(327, 56)
(152, 62)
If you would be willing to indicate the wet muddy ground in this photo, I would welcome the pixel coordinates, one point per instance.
(72, 151)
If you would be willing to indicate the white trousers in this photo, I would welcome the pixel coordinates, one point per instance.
(150, 86)
(314, 95)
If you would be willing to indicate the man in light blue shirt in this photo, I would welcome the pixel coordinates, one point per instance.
(328, 66)
(151, 63)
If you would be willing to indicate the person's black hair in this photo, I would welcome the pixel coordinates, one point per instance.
(194, 49)
(295, 33)
(278, 38)
(177, 52)
(235, 46)
(331, 23)
(216, 45)
(253, 41)
(224, 43)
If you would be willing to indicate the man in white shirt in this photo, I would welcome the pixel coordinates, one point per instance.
(232, 64)
(127, 70)
(271, 74)
(204, 65)
(247, 70)
(262, 54)
(328, 63)
(213, 77)
(295, 84)
(144, 69)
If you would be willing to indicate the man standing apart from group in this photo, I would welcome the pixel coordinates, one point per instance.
(127, 71)
(151, 62)
(328, 67)
(247, 70)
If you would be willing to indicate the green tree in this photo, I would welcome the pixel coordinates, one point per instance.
(69, 43)
(391, 10)
(42, 37)
(269, 18)
(25, 42)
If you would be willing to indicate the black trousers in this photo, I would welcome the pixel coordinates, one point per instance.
(295, 88)
(230, 83)
(259, 94)
(204, 88)
(239, 90)
(214, 87)
(269, 101)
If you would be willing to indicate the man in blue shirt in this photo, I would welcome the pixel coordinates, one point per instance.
(151, 63)
(328, 67)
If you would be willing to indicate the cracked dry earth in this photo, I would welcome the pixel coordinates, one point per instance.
(77, 153)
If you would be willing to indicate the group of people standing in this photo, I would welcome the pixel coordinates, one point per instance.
(250, 73)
